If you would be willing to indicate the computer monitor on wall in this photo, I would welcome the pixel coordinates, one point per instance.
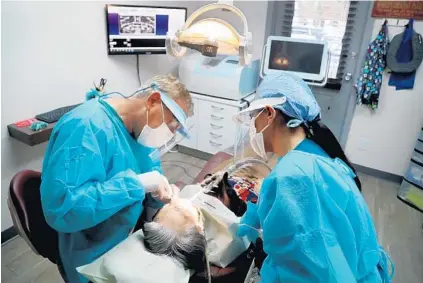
(307, 59)
(141, 29)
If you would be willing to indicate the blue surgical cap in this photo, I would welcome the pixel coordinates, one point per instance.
(300, 103)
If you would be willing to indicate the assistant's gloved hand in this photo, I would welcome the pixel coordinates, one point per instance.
(259, 254)
(158, 185)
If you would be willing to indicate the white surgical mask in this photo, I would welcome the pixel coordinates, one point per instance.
(256, 139)
(155, 137)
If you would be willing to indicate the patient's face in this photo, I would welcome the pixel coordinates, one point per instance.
(180, 215)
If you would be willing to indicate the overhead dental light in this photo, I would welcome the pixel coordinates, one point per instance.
(212, 36)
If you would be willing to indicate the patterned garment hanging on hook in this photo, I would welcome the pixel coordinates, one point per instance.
(369, 83)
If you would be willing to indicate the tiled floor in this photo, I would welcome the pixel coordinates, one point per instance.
(181, 167)
(399, 228)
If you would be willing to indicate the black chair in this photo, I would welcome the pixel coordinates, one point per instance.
(24, 203)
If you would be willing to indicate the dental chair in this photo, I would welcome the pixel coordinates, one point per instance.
(24, 203)
(236, 271)
(212, 164)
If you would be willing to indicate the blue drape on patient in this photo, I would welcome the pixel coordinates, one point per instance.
(90, 192)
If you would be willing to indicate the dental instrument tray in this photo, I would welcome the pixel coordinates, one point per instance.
(56, 114)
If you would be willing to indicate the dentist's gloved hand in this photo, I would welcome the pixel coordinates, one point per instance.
(158, 185)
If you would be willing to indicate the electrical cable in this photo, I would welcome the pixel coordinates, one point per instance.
(183, 162)
(153, 86)
(138, 69)
(127, 96)
(250, 273)
(207, 261)
(101, 85)
(183, 169)
(245, 101)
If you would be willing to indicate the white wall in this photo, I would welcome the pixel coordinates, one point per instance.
(384, 140)
(51, 54)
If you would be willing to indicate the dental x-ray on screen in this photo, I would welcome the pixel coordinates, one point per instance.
(141, 29)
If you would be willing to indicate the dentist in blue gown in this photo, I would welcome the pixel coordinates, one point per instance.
(315, 225)
(92, 189)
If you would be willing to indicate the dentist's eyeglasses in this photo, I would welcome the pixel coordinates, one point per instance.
(174, 125)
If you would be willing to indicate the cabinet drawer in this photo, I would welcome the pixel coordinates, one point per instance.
(213, 139)
(225, 128)
(217, 117)
(213, 145)
(216, 129)
(216, 112)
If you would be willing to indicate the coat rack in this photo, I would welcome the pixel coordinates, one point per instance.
(394, 25)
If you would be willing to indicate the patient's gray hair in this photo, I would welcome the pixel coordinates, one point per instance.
(172, 86)
(187, 247)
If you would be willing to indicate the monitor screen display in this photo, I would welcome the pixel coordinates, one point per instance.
(300, 57)
(141, 30)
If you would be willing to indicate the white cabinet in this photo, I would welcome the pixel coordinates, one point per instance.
(217, 131)
(212, 127)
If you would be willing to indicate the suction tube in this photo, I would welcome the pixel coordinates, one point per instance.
(246, 162)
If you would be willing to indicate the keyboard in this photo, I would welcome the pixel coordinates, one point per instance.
(56, 114)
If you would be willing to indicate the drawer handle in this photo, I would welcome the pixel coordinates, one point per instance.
(215, 135)
(215, 143)
(216, 126)
(218, 108)
(216, 117)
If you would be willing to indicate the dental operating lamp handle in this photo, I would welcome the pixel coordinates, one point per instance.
(216, 6)
(262, 61)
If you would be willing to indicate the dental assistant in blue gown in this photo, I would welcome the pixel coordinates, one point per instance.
(92, 180)
(314, 222)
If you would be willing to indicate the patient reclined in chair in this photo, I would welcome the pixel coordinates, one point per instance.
(178, 230)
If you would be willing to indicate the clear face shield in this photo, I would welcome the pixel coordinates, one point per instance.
(249, 141)
(183, 126)
(242, 148)
(158, 153)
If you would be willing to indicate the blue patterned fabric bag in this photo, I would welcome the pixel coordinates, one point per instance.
(370, 81)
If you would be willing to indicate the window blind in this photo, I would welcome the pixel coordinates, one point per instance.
(332, 21)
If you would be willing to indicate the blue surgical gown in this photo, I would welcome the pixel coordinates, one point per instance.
(316, 225)
(90, 192)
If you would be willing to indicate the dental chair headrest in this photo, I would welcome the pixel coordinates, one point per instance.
(130, 262)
